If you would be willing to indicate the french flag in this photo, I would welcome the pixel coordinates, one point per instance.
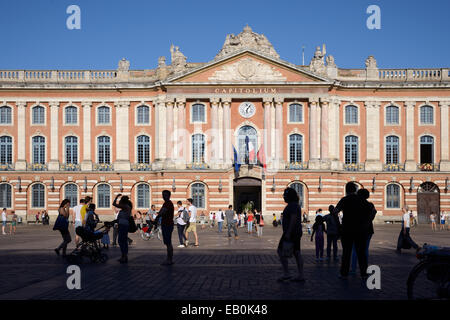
(251, 152)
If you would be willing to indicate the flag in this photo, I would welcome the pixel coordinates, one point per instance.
(261, 155)
(251, 152)
(237, 164)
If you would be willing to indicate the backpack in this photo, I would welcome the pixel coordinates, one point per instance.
(223, 217)
(185, 216)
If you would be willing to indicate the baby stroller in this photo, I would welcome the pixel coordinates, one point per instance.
(89, 246)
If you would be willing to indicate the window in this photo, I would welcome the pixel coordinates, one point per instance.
(392, 115)
(5, 150)
(426, 115)
(392, 149)
(351, 115)
(393, 196)
(247, 144)
(5, 195)
(71, 115)
(104, 149)
(103, 196)
(104, 115)
(198, 148)
(143, 115)
(71, 193)
(426, 149)
(198, 195)
(39, 149)
(72, 150)
(5, 115)
(198, 112)
(143, 149)
(351, 149)
(299, 188)
(38, 115)
(38, 196)
(143, 196)
(295, 148)
(295, 113)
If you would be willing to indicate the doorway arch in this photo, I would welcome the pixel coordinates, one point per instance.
(428, 200)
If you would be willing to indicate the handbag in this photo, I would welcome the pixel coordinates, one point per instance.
(61, 223)
(261, 222)
(132, 228)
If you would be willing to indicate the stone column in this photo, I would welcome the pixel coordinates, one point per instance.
(445, 160)
(333, 134)
(373, 162)
(267, 128)
(324, 134)
(410, 163)
(181, 140)
(227, 147)
(122, 162)
(214, 133)
(314, 133)
(272, 135)
(53, 165)
(169, 135)
(279, 133)
(220, 134)
(160, 134)
(86, 164)
(21, 163)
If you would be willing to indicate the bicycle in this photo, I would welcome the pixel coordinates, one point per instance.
(145, 235)
(430, 278)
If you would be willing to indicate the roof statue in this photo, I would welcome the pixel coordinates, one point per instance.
(178, 59)
(247, 39)
(317, 65)
(124, 65)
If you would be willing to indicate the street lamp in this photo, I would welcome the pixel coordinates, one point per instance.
(121, 184)
(374, 184)
(19, 184)
(85, 184)
(320, 183)
(173, 185)
(273, 185)
(411, 184)
(220, 185)
(52, 184)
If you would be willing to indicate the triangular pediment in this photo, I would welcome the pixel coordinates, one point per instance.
(247, 67)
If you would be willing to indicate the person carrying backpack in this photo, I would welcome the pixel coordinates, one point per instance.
(182, 221)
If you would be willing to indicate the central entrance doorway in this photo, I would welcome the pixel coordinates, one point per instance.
(427, 202)
(245, 191)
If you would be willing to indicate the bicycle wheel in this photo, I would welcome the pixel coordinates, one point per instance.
(145, 236)
(429, 280)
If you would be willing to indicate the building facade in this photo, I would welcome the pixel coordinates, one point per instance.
(239, 128)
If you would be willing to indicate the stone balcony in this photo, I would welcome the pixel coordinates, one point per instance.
(297, 166)
(393, 167)
(428, 166)
(141, 167)
(6, 167)
(70, 167)
(103, 167)
(353, 167)
(37, 167)
(197, 166)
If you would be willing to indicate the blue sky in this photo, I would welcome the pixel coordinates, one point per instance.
(34, 35)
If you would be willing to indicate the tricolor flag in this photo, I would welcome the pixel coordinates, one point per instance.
(237, 163)
(261, 155)
(251, 152)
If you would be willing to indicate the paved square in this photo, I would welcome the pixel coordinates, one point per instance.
(221, 268)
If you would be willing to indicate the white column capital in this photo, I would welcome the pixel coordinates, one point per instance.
(279, 100)
(169, 103)
(122, 104)
(313, 101)
(86, 104)
(54, 104)
(21, 104)
(214, 101)
(410, 104)
(371, 104)
(226, 101)
(267, 100)
(181, 101)
(444, 104)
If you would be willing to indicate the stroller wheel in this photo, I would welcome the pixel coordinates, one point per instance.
(103, 258)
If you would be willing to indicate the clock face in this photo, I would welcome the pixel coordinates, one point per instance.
(247, 109)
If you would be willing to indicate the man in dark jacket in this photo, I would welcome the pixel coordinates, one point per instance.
(354, 229)
(333, 226)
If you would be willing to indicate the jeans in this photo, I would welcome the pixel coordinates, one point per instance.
(220, 224)
(66, 240)
(123, 238)
(260, 231)
(249, 226)
(355, 257)
(332, 241)
(319, 246)
(232, 225)
(360, 242)
(181, 234)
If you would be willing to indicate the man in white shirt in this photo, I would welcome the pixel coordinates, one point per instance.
(192, 227)
(4, 218)
(404, 233)
(211, 219)
(181, 225)
(220, 218)
(76, 219)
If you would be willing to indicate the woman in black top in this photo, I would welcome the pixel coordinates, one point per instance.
(64, 211)
(123, 217)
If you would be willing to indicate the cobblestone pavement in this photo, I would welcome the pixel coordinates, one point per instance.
(221, 268)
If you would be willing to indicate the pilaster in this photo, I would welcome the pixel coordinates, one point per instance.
(53, 164)
(410, 163)
(86, 164)
(445, 160)
(122, 162)
(21, 163)
(373, 162)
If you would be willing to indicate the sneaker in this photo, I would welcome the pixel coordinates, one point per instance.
(57, 252)
(181, 246)
(186, 243)
(284, 278)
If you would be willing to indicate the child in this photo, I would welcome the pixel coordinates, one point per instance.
(318, 230)
(260, 226)
(105, 238)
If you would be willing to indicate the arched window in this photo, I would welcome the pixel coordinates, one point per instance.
(104, 116)
(351, 115)
(104, 149)
(71, 115)
(71, 150)
(38, 115)
(5, 195)
(143, 115)
(38, 195)
(39, 149)
(198, 148)
(71, 193)
(5, 150)
(426, 149)
(143, 196)
(198, 195)
(295, 148)
(299, 188)
(393, 196)
(426, 115)
(351, 149)
(392, 149)
(143, 149)
(295, 112)
(248, 144)
(5, 115)
(198, 112)
(103, 196)
(392, 115)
